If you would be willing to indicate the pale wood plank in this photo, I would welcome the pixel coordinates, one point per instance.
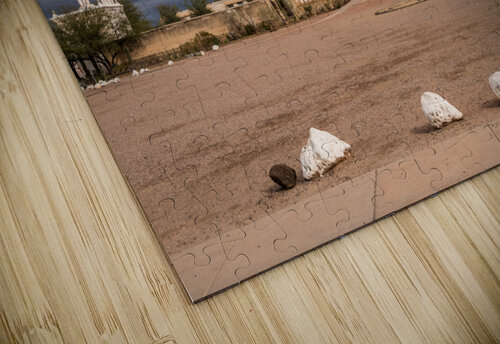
(79, 263)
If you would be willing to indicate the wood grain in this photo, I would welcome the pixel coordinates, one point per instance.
(79, 262)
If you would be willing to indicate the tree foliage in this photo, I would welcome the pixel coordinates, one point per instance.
(202, 41)
(240, 24)
(168, 13)
(198, 7)
(269, 19)
(135, 17)
(93, 34)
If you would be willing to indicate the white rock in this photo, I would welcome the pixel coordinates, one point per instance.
(116, 80)
(90, 87)
(100, 83)
(215, 47)
(494, 80)
(202, 53)
(146, 69)
(141, 70)
(135, 73)
(437, 110)
(322, 152)
(170, 62)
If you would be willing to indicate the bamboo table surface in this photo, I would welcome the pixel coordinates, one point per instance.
(80, 263)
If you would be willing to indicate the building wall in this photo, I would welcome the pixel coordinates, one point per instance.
(315, 5)
(171, 36)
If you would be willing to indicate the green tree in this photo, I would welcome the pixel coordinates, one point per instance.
(135, 17)
(198, 7)
(93, 35)
(168, 13)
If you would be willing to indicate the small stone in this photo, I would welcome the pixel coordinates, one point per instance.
(494, 80)
(438, 111)
(215, 47)
(322, 152)
(100, 83)
(283, 175)
(135, 73)
(170, 62)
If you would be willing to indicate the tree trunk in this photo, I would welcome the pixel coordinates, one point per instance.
(96, 66)
(104, 61)
(84, 66)
(73, 70)
(127, 52)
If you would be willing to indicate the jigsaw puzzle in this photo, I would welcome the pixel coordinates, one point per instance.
(197, 136)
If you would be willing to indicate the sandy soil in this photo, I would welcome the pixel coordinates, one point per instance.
(197, 139)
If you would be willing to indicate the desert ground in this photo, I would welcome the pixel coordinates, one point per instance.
(196, 139)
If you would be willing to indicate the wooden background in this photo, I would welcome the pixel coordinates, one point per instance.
(79, 263)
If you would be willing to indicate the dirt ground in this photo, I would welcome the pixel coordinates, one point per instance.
(196, 140)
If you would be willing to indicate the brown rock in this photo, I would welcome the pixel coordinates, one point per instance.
(283, 175)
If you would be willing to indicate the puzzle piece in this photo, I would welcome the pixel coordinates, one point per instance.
(403, 184)
(258, 245)
(456, 156)
(356, 197)
(206, 280)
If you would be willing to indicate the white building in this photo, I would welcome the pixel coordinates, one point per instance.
(112, 7)
(216, 6)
